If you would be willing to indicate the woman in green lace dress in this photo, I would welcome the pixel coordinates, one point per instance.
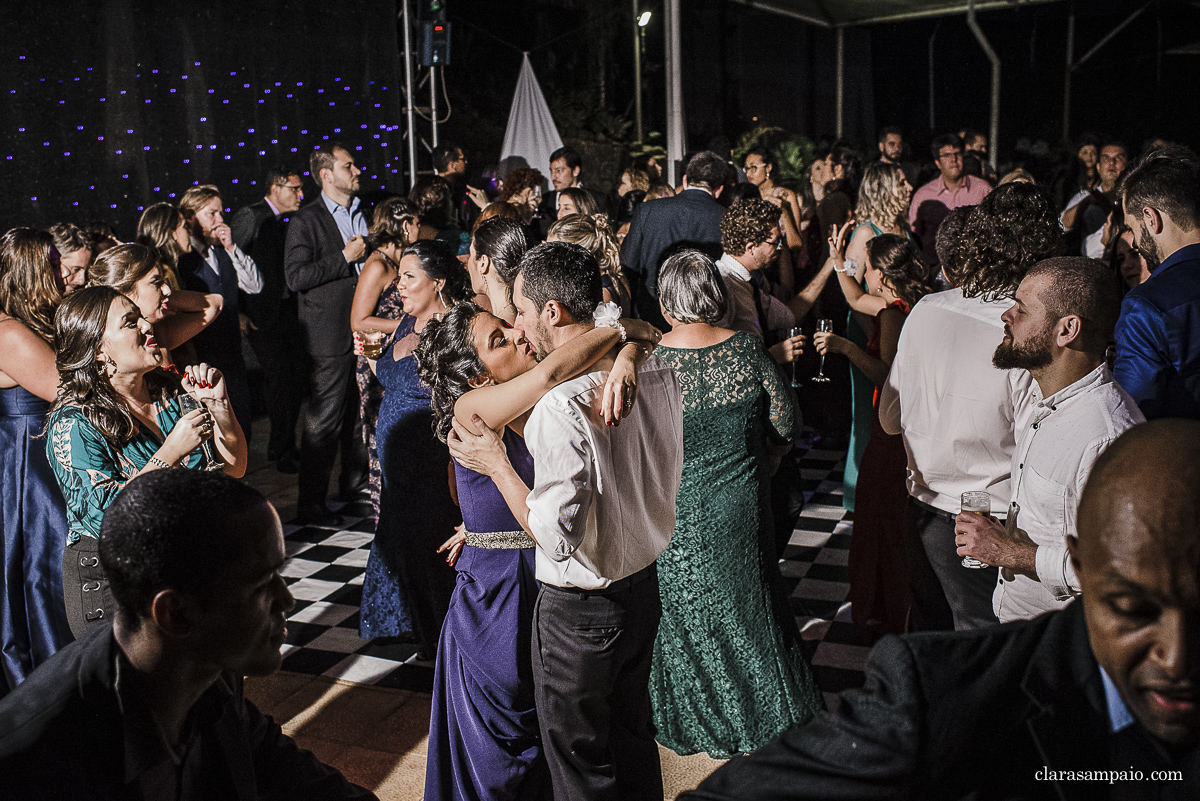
(728, 673)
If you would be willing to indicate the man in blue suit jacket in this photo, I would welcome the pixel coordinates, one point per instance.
(691, 219)
(1158, 333)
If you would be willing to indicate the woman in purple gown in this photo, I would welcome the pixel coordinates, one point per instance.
(483, 732)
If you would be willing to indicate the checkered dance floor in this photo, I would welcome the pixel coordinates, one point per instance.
(325, 572)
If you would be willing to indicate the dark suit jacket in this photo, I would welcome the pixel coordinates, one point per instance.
(220, 343)
(63, 735)
(318, 273)
(660, 227)
(262, 237)
(948, 716)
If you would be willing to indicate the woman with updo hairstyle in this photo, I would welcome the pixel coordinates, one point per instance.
(478, 365)
(137, 272)
(33, 521)
(118, 415)
(494, 255)
(728, 672)
(432, 201)
(406, 589)
(592, 233)
(164, 228)
(375, 311)
(573, 200)
(896, 278)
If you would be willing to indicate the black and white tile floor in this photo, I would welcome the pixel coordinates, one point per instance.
(325, 572)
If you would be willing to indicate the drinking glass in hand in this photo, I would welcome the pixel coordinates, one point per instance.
(212, 461)
(825, 326)
(795, 332)
(981, 504)
(372, 342)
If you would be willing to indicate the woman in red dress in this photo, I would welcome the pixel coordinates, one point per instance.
(896, 279)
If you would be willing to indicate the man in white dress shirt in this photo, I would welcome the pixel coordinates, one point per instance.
(1058, 330)
(958, 415)
(601, 511)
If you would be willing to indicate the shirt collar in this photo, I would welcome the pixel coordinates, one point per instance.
(1186, 253)
(1101, 375)
(333, 206)
(940, 183)
(274, 210)
(1119, 717)
(728, 265)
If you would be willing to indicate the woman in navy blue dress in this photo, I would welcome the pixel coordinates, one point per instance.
(483, 733)
(33, 522)
(407, 587)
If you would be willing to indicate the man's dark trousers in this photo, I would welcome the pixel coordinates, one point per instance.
(591, 677)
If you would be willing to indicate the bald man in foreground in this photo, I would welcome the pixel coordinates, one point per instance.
(1099, 700)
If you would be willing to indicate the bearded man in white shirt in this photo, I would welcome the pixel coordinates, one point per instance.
(1058, 330)
(957, 414)
(601, 511)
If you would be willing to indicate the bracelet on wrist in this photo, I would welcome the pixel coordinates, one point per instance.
(154, 460)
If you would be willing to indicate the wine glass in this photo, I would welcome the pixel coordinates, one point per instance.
(981, 504)
(795, 332)
(826, 326)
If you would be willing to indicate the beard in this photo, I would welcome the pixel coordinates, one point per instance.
(541, 341)
(1029, 355)
(1146, 245)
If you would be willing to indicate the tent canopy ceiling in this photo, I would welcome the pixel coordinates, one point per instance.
(838, 13)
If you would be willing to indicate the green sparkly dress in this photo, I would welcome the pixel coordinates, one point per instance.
(728, 673)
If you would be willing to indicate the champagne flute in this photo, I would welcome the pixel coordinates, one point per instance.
(826, 326)
(981, 504)
(795, 332)
(188, 404)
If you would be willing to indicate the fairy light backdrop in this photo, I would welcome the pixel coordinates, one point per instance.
(106, 108)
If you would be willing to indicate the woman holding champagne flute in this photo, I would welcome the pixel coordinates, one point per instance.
(896, 279)
(119, 415)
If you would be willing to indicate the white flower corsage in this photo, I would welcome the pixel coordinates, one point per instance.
(608, 315)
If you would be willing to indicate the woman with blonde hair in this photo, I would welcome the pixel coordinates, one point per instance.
(592, 233)
(883, 198)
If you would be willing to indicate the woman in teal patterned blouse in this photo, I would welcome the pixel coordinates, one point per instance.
(119, 415)
(728, 673)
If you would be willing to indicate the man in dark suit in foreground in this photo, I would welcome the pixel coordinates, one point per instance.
(326, 244)
(691, 219)
(150, 707)
(270, 319)
(1099, 700)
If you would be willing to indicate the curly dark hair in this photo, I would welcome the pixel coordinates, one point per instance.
(1013, 229)
(519, 180)
(387, 221)
(439, 262)
(447, 361)
(902, 267)
(748, 222)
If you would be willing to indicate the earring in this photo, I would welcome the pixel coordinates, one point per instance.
(442, 298)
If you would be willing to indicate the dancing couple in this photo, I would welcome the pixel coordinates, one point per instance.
(565, 480)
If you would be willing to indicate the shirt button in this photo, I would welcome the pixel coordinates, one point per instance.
(1022, 466)
(1035, 425)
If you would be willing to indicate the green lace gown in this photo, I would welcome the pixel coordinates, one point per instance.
(728, 673)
